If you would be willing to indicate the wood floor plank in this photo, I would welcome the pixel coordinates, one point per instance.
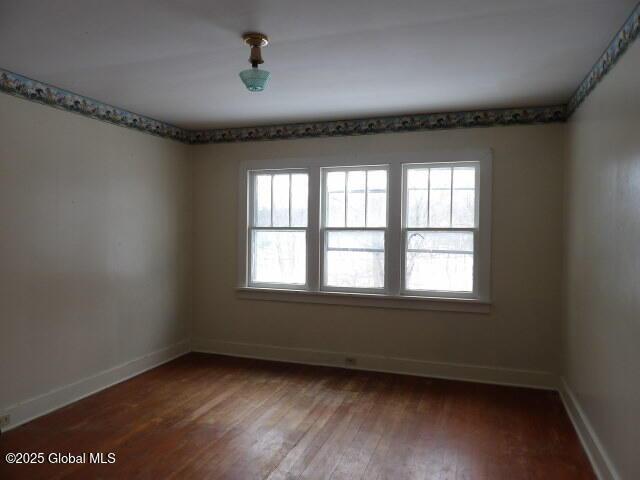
(207, 416)
(297, 459)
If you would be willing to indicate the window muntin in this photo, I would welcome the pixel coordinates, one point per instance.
(354, 228)
(277, 233)
(440, 228)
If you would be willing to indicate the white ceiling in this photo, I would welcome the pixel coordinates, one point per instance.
(178, 61)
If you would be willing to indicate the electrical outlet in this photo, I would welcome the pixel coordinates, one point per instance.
(350, 361)
(4, 421)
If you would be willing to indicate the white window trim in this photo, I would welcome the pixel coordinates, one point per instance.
(250, 229)
(324, 229)
(393, 296)
(480, 284)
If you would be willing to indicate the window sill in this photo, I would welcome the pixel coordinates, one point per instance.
(365, 300)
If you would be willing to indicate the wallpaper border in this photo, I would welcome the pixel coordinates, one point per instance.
(617, 47)
(377, 125)
(36, 91)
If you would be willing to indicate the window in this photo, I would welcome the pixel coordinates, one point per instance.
(278, 228)
(406, 227)
(354, 228)
(440, 228)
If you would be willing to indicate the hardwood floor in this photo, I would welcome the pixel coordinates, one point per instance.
(207, 416)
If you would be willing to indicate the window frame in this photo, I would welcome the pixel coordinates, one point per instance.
(394, 295)
(250, 229)
(474, 293)
(324, 229)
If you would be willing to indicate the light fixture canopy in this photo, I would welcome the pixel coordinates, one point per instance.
(253, 78)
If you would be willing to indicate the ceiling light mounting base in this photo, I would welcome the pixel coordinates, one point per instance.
(255, 39)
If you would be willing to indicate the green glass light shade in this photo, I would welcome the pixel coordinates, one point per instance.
(255, 80)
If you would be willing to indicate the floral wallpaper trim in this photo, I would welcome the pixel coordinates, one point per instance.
(367, 126)
(29, 89)
(620, 43)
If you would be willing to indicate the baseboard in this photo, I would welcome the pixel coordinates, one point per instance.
(600, 460)
(404, 366)
(35, 407)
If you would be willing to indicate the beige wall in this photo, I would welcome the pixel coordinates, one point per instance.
(95, 232)
(602, 335)
(523, 330)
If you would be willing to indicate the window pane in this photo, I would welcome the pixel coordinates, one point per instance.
(418, 178)
(355, 259)
(440, 197)
(262, 201)
(417, 197)
(281, 200)
(355, 198)
(377, 198)
(440, 241)
(439, 261)
(355, 240)
(464, 197)
(299, 199)
(463, 214)
(335, 199)
(464, 177)
(417, 201)
(443, 272)
(278, 257)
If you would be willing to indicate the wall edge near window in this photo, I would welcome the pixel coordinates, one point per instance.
(365, 300)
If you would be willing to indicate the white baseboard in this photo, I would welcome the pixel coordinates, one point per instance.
(35, 407)
(405, 366)
(600, 460)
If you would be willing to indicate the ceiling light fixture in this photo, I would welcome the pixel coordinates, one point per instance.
(255, 80)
